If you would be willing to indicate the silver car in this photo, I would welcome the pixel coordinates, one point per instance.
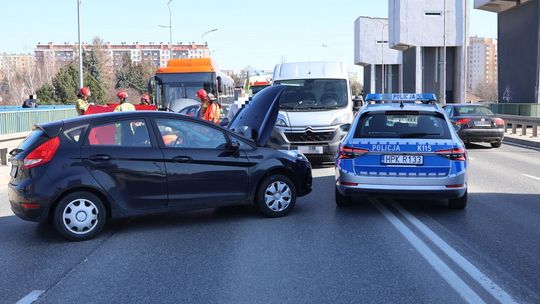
(402, 145)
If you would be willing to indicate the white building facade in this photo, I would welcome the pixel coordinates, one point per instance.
(482, 65)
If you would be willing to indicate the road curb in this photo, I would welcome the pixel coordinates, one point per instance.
(522, 142)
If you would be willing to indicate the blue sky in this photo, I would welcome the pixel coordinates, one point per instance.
(255, 33)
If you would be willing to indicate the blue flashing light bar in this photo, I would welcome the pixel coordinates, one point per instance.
(401, 97)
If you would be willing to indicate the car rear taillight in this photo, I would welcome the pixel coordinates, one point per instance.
(350, 153)
(453, 154)
(462, 121)
(42, 154)
(498, 121)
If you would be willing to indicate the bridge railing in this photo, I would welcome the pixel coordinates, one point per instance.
(22, 120)
(523, 121)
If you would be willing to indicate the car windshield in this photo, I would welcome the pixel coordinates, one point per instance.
(473, 110)
(313, 94)
(184, 86)
(406, 125)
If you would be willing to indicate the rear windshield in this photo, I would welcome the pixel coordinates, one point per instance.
(29, 142)
(472, 110)
(402, 125)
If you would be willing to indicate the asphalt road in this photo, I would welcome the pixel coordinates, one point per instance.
(378, 251)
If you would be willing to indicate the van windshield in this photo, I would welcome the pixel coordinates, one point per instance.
(313, 94)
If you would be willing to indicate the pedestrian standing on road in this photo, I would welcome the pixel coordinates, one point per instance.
(124, 105)
(30, 103)
(213, 110)
(145, 99)
(205, 102)
(82, 102)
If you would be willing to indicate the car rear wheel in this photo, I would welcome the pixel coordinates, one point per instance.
(458, 203)
(276, 196)
(342, 200)
(496, 144)
(79, 216)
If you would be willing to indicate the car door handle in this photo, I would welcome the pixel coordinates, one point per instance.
(181, 159)
(100, 157)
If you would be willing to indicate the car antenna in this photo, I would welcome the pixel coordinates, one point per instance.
(401, 104)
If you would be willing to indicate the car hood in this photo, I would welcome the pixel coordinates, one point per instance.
(258, 116)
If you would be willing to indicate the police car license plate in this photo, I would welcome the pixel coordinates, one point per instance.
(402, 159)
(311, 149)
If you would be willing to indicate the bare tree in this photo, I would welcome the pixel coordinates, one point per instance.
(486, 91)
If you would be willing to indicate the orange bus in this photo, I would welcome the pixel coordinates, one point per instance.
(182, 78)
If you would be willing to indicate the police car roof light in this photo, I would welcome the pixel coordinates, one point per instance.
(402, 97)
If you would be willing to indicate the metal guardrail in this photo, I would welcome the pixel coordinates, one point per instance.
(523, 121)
(22, 121)
(522, 109)
(9, 141)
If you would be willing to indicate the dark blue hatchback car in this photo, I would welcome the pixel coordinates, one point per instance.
(78, 173)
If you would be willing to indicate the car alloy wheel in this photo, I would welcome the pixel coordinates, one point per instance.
(80, 216)
(277, 196)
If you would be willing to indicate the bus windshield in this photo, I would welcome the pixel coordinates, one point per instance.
(184, 86)
(313, 94)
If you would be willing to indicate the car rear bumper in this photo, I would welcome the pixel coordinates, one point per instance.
(481, 135)
(394, 191)
(40, 206)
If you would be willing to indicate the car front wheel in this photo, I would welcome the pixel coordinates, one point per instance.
(79, 216)
(276, 196)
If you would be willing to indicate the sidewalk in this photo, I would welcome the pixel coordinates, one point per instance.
(526, 140)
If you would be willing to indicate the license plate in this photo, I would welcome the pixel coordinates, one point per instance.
(14, 170)
(482, 124)
(311, 149)
(402, 159)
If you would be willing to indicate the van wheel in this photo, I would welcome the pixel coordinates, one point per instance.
(496, 144)
(458, 203)
(79, 216)
(276, 196)
(342, 200)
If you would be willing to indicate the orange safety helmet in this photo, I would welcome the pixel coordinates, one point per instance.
(145, 97)
(85, 91)
(201, 94)
(122, 95)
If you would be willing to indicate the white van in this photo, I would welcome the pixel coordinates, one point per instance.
(316, 110)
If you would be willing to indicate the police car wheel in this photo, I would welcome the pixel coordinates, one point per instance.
(342, 200)
(276, 196)
(79, 216)
(496, 144)
(458, 203)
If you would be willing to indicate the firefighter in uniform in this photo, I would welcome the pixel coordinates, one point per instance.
(82, 102)
(124, 105)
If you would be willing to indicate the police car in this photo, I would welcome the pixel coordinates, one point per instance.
(402, 145)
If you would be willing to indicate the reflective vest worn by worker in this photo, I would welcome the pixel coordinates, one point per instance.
(124, 107)
(213, 113)
(81, 106)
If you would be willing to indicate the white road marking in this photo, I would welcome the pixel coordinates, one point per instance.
(490, 286)
(431, 257)
(530, 176)
(31, 297)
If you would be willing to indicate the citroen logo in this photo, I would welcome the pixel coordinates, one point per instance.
(309, 129)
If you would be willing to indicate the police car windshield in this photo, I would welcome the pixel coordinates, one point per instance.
(402, 125)
(313, 94)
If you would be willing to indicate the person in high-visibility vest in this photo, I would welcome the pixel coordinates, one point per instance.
(124, 105)
(82, 102)
(203, 96)
(213, 111)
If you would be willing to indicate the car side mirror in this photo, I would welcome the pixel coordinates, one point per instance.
(219, 84)
(357, 104)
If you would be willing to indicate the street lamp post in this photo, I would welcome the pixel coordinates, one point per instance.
(81, 83)
(207, 32)
(383, 74)
(170, 28)
(444, 56)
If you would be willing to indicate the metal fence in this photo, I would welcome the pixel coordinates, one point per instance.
(522, 109)
(23, 120)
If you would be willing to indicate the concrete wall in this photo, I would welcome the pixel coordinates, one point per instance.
(373, 73)
(519, 53)
(409, 71)
(420, 23)
(368, 49)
